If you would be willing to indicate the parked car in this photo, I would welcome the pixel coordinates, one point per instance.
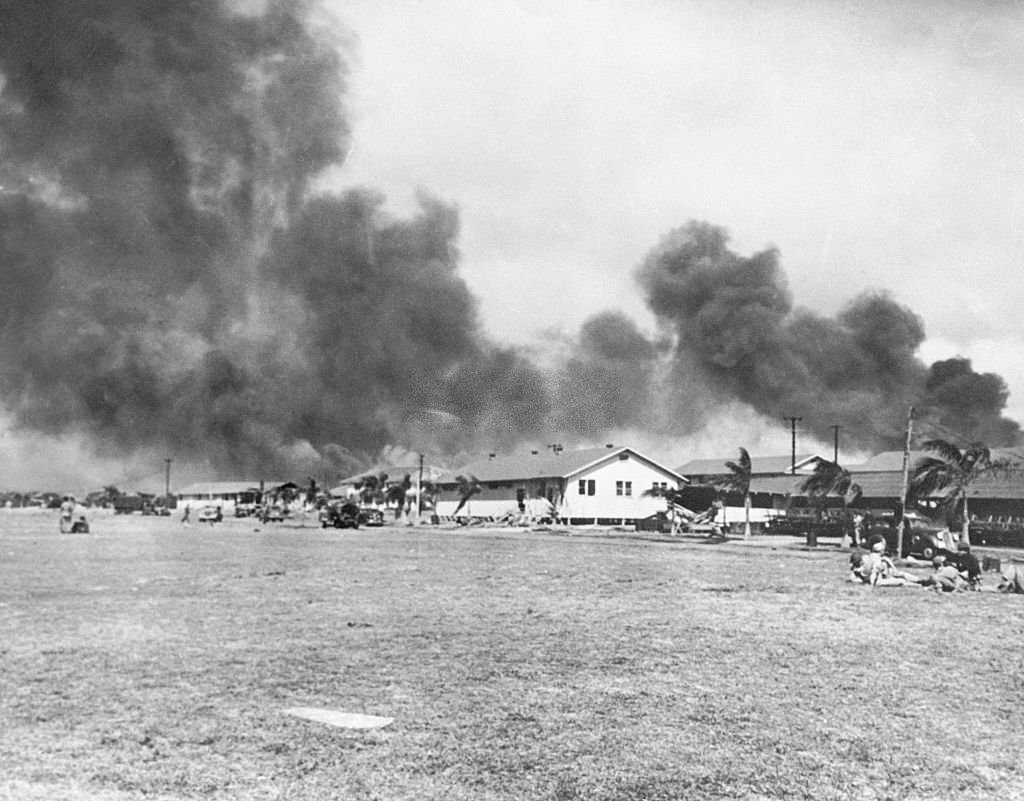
(371, 516)
(271, 514)
(210, 514)
(340, 514)
(246, 509)
(921, 536)
(157, 509)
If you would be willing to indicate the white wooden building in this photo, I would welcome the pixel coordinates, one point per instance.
(597, 486)
(226, 494)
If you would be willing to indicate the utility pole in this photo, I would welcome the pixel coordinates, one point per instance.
(792, 425)
(906, 485)
(167, 479)
(835, 444)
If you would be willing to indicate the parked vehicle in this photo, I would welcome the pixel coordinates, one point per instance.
(127, 504)
(802, 522)
(157, 509)
(340, 514)
(371, 516)
(210, 514)
(921, 537)
(246, 509)
(271, 514)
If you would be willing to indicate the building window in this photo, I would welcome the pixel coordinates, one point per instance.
(618, 487)
(591, 487)
(583, 486)
(629, 488)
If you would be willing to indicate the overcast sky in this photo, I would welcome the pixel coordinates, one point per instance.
(875, 145)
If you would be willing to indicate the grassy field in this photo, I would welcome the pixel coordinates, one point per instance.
(148, 660)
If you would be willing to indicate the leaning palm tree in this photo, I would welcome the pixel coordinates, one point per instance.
(951, 472)
(468, 486)
(829, 478)
(673, 502)
(739, 482)
(396, 493)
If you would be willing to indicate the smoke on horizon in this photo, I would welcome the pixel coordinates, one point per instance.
(171, 283)
(737, 332)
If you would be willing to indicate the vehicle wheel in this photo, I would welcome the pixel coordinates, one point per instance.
(928, 552)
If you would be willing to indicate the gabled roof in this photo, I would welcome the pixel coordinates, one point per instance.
(226, 487)
(775, 485)
(759, 465)
(394, 473)
(892, 461)
(885, 462)
(547, 464)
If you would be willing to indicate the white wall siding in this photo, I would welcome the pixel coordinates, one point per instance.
(605, 502)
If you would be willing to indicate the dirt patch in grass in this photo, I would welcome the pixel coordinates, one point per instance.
(154, 660)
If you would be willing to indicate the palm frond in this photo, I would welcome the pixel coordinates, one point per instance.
(933, 476)
(944, 449)
(827, 477)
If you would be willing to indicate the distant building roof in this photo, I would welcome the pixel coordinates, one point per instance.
(395, 473)
(546, 464)
(775, 485)
(885, 461)
(892, 461)
(759, 465)
(226, 487)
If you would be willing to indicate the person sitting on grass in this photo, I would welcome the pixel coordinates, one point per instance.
(968, 565)
(80, 526)
(877, 569)
(1012, 579)
(946, 577)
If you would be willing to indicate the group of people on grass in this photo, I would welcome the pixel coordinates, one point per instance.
(68, 525)
(950, 572)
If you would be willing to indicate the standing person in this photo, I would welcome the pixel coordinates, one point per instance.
(185, 515)
(858, 529)
(67, 511)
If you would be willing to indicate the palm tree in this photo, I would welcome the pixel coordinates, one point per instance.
(739, 482)
(468, 487)
(396, 494)
(952, 471)
(673, 500)
(829, 478)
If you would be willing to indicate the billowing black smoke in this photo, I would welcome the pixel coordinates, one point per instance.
(608, 382)
(737, 332)
(168, 280)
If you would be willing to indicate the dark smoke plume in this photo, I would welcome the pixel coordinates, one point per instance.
(737, 331)
(168, 280)
(607, 383)
(963, 400)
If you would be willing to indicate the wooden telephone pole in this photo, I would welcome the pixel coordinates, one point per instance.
(906, 485)
(792, 425)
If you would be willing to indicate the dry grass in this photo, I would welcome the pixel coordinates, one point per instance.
(148, 660)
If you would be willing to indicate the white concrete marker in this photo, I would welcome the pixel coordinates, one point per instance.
(344, 720)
